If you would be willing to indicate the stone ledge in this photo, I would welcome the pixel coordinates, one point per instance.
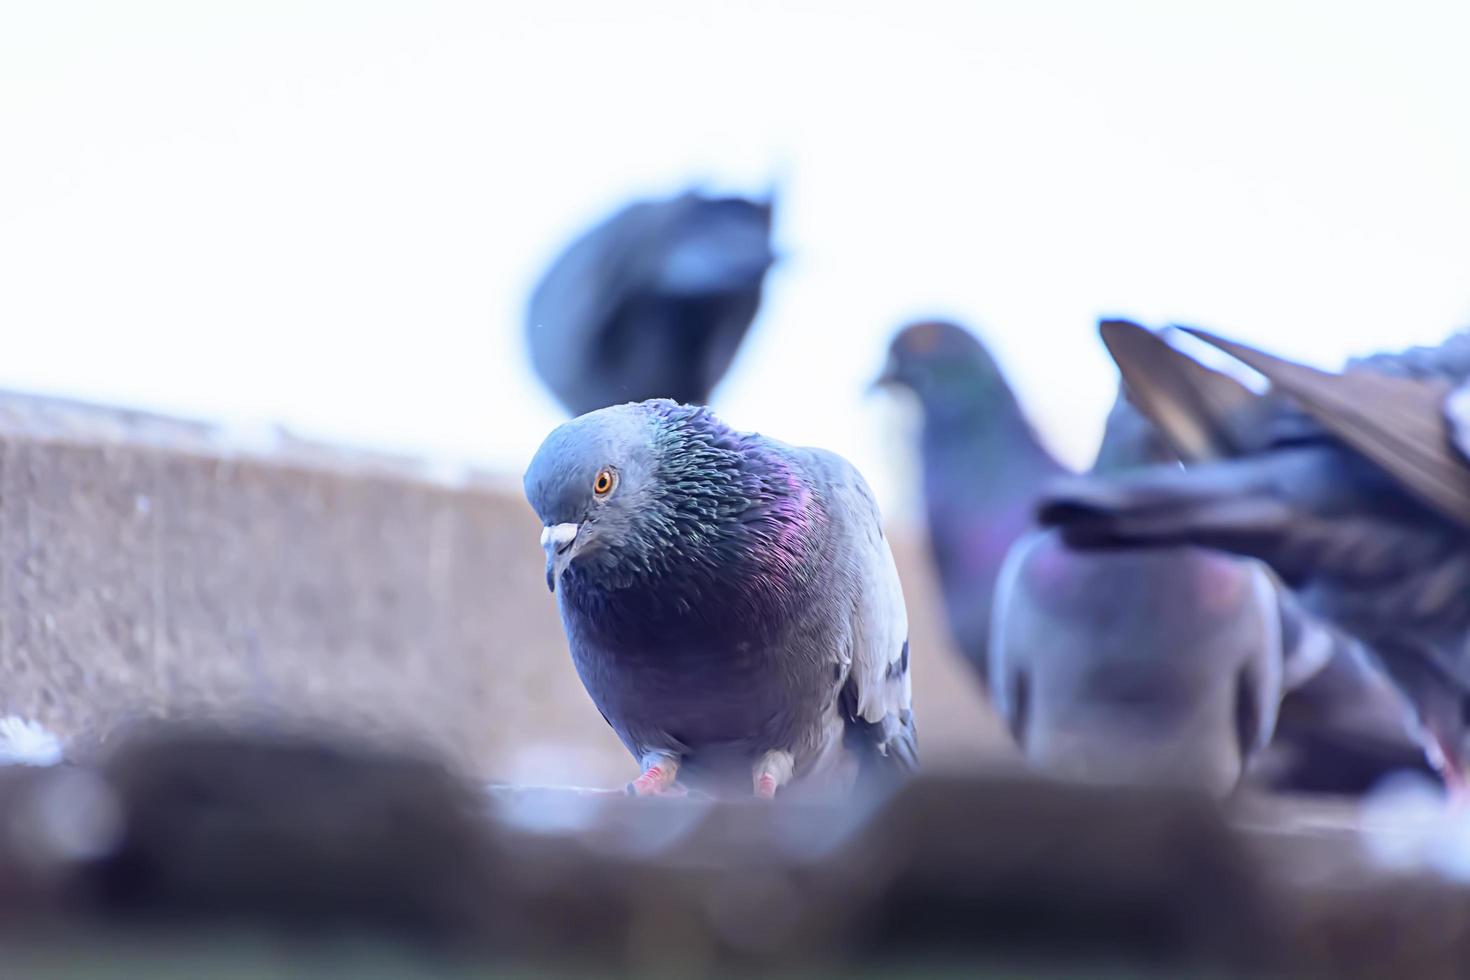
(163, 568)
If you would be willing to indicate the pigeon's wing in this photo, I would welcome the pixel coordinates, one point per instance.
(1235, 505)
(876, 696)
(713, 246)
(1400, 423)
(713, 263)
(1343, 724)
(654, 301)
(579, 296)
(1203, 413)
(1336, 681)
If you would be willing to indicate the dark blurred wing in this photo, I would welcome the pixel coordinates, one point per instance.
(580, 294)
(713, 247)
(1399, 423)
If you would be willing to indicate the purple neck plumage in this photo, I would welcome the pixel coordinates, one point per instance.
(727, 540)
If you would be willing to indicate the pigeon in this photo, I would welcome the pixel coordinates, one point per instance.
(730, 601)
(1344, 726)
(982, 463)
(1349, 485)
(1154, 665)
(651, 303)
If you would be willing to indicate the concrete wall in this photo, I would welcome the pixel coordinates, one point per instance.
(160, 568)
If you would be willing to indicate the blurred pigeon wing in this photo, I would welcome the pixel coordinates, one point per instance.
(1202, 412)
(653, 302)
(1397, 422)
(717, 247)
(1337, 681)
(581, 291)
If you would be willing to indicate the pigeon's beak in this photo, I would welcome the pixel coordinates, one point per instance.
(887, 377)
(557, 540)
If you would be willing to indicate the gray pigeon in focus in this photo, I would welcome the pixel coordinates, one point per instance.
(651, 303)
(1136, 666)
(1348, 485)
(730, 601)
(982, 468)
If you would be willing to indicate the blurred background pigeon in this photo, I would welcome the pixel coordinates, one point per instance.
(1346, 484)
(1100, 669)
(730, 601)
(651, 303)
(982, 467)
(1131, 666)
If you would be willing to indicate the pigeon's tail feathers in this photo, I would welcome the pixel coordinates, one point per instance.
(1203, 413)
(1402, 424)
(903, 745)
(887, 750)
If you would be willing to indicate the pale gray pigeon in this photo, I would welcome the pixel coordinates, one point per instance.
(730, 601)
(1136, 666)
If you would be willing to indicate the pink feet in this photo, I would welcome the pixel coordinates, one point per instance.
(772, 771)
(660, 772)
(658, 780)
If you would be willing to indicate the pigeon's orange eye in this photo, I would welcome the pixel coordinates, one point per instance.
(602, 486)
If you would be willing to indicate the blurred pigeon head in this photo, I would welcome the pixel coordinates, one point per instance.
(943, 364)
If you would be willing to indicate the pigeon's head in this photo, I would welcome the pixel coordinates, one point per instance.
(590, 482)
(943, 364)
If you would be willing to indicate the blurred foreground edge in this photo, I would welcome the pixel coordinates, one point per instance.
(188, 835)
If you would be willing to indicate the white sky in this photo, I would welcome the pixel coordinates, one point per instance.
(329, 213)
